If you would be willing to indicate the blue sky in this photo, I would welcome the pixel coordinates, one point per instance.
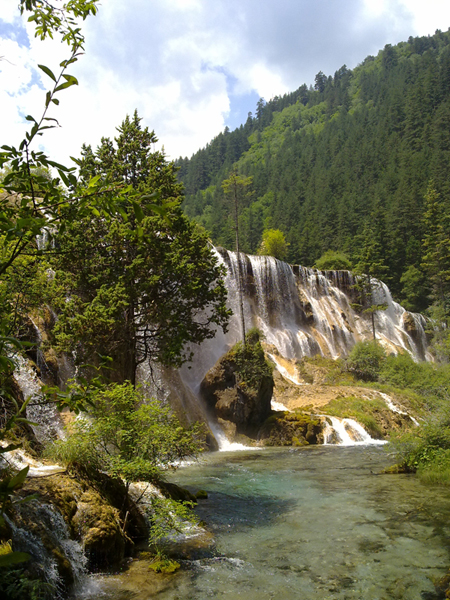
(192, 67)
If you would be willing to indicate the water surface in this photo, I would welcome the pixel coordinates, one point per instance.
(307, 524)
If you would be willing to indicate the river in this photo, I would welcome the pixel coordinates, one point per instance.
(313, 523)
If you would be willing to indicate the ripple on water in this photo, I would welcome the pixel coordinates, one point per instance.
(312, 524)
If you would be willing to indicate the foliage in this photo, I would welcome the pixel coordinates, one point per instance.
(273, 244)
(17, 584)
(127, 436)
(427, 449)
(163, 564)
(333, 261)
(32, 203)
(366, 360)
(334, 370)
(357, 151)
(145, 282)
(250, 361)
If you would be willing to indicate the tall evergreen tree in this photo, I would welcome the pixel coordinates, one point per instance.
(145, 284)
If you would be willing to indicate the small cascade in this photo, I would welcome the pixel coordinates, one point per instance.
(292, 377)
(58, 537)
(44, 415)
(223, 442)
(392, 406)
(346, 432)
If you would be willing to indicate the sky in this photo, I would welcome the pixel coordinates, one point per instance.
(191, 67)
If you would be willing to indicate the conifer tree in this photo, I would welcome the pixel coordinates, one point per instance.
(144, 284)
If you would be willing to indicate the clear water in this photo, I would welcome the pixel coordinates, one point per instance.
(316, 523)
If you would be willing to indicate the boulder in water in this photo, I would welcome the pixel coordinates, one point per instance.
(239, 388)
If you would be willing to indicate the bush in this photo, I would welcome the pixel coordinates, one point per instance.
(427, 449)
(365, 361)
(400, 371)
(250, 360)
(128, 436)
(333, 261)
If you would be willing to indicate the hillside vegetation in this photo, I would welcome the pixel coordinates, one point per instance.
(358, 165)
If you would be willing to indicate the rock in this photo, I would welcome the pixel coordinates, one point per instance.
(176, 492)
(98, 525)
(89, 516)
(408, 323)
(228, 428)
(291, 429)
(230, 397)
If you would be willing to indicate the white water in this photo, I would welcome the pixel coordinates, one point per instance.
(346, 432)
(19, 459)
(305, 312)
(56, 529)
(44, 415)
(395, 408)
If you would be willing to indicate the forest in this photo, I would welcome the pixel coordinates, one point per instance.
(357, 164)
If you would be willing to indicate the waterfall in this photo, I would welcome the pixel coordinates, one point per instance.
(394, 408)
(346, 432)
(58, 541)
(47, 421)
(305, 312)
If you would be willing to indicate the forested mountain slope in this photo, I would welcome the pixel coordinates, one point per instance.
(344, 166)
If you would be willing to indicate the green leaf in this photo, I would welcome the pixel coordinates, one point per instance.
(48, 72)
(18, 479)
(139, 213)
(13, 558)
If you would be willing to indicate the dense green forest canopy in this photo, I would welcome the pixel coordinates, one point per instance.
(351, 157)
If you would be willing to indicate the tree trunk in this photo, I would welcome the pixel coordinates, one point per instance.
(240, 292)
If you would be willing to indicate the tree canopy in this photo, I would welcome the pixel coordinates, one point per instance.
(144, 283)
(359, 149)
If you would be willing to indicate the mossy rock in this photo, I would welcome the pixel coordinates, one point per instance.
(176, 492)
(291, 429)
(201, 495)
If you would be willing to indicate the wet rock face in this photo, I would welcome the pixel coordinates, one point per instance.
(235, 401)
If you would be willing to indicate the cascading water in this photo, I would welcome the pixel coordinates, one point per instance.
(305, 312)
(58, 542)
(47, 421)
(346, 432)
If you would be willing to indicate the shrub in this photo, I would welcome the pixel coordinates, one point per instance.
(333, 261)
(366, 360)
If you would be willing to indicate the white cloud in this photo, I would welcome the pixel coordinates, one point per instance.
(180, 62)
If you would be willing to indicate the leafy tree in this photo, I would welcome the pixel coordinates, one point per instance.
(127, 436)
(32, 202)
(274, 244)
(144, 283)
(365, 360)
(333, 261)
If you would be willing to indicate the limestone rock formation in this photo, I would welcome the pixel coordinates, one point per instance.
(235, 396)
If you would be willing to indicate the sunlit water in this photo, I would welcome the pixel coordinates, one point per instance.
(317, 523)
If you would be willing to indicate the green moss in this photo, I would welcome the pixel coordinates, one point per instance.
(163, 564)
